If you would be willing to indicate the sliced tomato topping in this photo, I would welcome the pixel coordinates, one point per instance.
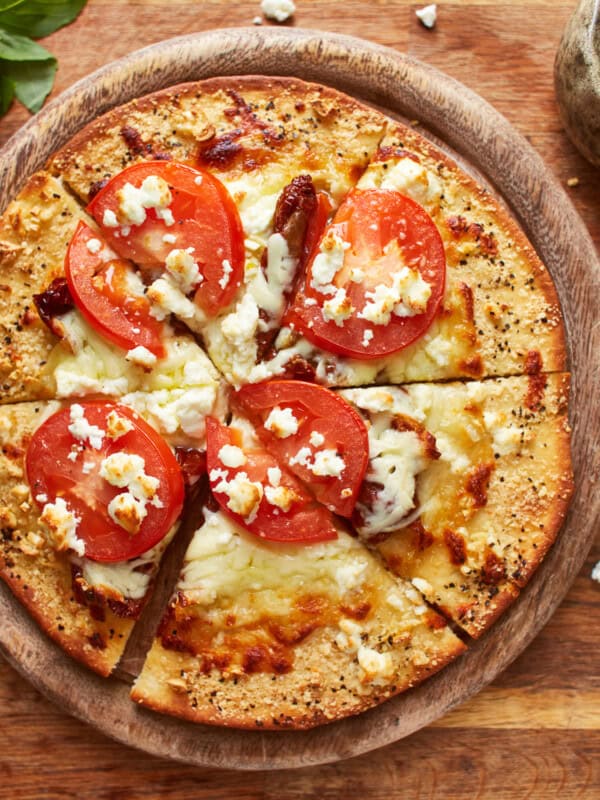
(101, 286)
(379, 251)
(62, 465)
(152, 208)
(259, 493)
(315, 433)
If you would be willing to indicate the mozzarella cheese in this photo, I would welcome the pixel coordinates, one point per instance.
(224, 561)
(395, 457)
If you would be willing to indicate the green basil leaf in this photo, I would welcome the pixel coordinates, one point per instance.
(7, 92)
(19, 48)
(32, 80)
(38, 18)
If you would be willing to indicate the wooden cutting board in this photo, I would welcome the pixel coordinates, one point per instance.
(507, 705)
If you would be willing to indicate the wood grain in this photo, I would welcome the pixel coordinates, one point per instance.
(560, 666)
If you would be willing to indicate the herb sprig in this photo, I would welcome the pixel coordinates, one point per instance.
(26, 68)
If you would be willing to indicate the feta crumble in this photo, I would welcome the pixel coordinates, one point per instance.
(282, 422)
(278, 10)
(94, 245)
(153, 193)
(231, 456)
(183, 269)
(427, 15)
(407, 296)
(141, 356)
(82, 430)
(62, 524)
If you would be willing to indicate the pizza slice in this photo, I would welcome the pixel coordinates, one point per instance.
(421, 276)
(467, 486)
(90, 497)
(264, 634)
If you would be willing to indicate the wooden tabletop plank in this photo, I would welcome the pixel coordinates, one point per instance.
(536, 731)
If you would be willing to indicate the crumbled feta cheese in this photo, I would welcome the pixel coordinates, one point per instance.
(227, 270)
(278, 10)
(349, 638)
(141, 356)
(62, 524)
(367, 336)
(81, 429)
(427, 15)
(166, 299)
(274, 476)
(244, 495)
(153, 193)
(109, 219)
(117, 426)
(316, 439)
(94, 245)
(328, 262)
(127, 511)
(326, 463)
(127, 471)
(338, 308)
(282, 422)
(377, 666)
(183, 269)
(231, 456)
(281, 496)
(407, 296)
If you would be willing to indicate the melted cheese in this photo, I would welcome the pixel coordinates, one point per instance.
(174, 396)
(126, 579)
(224, 561)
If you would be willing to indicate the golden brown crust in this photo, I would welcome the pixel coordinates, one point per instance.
(312, 127)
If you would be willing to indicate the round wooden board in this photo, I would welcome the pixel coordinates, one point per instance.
(485, 141)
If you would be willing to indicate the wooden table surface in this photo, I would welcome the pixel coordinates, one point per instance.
(535, 732)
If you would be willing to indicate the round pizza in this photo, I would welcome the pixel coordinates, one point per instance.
(259, 307)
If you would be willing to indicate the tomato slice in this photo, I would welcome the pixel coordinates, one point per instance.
(144, 224)
(292, 515)
(99, 283)
(331, 430)
(382, 231)
(53, 471)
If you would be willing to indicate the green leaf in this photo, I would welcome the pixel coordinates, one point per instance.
(32, 80)
(38, 18)
(19, 48)
(7, 92)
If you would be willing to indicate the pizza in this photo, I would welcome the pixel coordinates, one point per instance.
(259, 307)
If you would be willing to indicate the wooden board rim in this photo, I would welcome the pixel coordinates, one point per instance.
(473, 128)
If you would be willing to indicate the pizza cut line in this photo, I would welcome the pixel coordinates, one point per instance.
(258, 300)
